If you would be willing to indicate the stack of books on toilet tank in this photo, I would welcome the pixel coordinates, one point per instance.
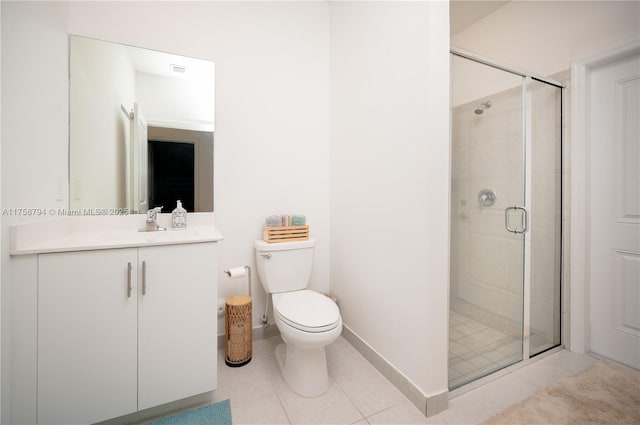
(285, 228)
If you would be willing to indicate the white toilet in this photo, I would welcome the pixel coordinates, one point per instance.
(308, 321)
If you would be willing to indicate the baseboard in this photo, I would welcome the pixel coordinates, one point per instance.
(428, 405)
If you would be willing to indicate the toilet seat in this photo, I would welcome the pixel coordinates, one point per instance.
(307, 311)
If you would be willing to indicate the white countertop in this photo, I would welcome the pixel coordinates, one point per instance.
(106, 232)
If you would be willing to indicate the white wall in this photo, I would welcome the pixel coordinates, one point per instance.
(102, 78)
(34, 137)
(35, 104)
(171, 100)
(390, 181)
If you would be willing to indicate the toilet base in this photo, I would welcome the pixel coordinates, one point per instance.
(304, 370)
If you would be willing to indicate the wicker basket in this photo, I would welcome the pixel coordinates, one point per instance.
(286, 234)
(238, 332)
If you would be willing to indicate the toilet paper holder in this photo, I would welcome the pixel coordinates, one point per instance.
(238, 323)
(236, 272)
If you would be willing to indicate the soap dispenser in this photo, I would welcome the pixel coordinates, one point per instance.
(179, 216)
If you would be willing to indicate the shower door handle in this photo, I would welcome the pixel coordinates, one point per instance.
(525, 219)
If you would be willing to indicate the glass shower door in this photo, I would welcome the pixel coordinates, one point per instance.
(546, 216)
(488, 220)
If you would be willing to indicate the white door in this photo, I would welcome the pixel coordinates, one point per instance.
(177, 322)
(614, 192)
(87, 334)
(139, 160)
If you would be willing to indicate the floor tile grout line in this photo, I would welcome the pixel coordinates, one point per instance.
(284, 409)
(467, 345)
(362, 416)
(365, 417)
(405, 399)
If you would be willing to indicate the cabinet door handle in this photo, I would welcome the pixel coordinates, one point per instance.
(129, 269)
(144, 278)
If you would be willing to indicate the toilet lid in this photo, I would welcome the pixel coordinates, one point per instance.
(307, 310)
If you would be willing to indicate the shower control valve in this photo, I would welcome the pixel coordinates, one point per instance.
(486, 198)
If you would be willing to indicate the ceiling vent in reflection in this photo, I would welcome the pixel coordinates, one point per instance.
(178, 69)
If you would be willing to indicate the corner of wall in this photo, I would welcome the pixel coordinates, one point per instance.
(428, 405)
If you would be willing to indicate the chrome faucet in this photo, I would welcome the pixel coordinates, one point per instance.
(151, 223)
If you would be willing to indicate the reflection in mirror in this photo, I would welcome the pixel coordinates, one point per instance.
(141, 128)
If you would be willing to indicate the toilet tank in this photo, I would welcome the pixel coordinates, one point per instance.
(284, 266)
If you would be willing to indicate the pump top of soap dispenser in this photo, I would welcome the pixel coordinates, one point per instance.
(179, 216)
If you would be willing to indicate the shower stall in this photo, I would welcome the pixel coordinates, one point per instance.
(506, 217)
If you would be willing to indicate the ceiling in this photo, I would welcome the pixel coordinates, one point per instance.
(464, 13)
(160, 63)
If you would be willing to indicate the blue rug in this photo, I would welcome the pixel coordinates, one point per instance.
(214, 414)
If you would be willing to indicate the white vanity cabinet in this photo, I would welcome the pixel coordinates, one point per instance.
(177, 323)
(87, 336)
(122, 330)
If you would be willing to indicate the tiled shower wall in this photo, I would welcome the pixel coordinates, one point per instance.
(487, 260)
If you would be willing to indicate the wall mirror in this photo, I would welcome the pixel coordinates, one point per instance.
(141, 127)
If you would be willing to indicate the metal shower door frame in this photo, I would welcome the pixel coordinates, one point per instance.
(527, 140)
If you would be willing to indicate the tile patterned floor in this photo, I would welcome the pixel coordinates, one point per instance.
(476, 349)
(359, 394)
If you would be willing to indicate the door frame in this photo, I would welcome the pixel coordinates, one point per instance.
(579, 281)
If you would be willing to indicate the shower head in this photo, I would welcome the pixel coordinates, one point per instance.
(480, 110)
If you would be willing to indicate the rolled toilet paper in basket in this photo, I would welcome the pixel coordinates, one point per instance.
(235, 272)
(299, 220)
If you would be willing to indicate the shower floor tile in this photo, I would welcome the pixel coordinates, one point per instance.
(476, 350)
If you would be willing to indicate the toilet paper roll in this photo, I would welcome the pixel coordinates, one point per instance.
(236, 272)
(274, 221)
